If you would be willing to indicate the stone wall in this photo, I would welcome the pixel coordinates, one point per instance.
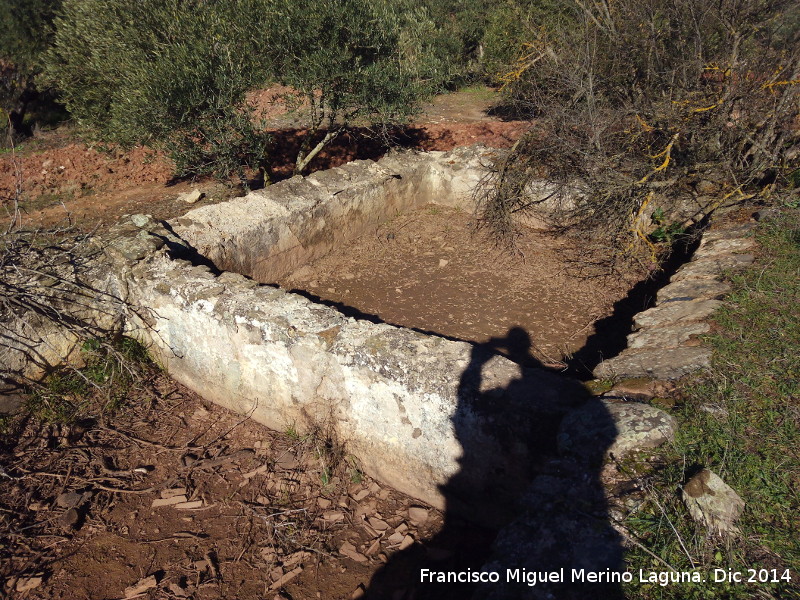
(663, 344)
(271, 232)
(447, 422)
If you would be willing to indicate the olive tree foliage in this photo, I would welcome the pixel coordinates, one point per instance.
(354, 62)
(172, 74)
(649, 113)
(25, 32)
(465, 23)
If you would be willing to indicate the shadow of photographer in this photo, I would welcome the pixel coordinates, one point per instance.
(543, 506)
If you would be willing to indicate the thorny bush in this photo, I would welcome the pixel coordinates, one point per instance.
(661, 105)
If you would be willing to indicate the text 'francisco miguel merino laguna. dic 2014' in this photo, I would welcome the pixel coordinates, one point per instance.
(532, 578)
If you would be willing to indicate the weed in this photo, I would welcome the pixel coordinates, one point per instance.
(665, 231)
(6, 424)
(292, 433)
(102, 385)
(434, 210)
(325, 476)
(356, 475)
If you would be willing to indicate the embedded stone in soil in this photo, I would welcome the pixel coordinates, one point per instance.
(430, 270)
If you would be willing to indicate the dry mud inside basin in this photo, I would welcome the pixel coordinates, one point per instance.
(429, 269)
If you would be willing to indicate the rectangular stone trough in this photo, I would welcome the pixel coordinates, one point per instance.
(446, 422)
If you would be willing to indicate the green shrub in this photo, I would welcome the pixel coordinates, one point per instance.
(25, 32)
(174, 73)
(169, 73)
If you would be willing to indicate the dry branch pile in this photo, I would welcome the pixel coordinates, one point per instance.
(650, 114)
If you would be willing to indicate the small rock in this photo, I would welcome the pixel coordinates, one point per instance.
(171, 492)
(443, 263)
(287, 461)
(171, 501)
(178, 590)
(395, 538)
(70, 518)
(359, 592)
(268, 554)
(715, 409)
(201, 413)
(378, 524)
(141, 586)
(189, 505)
(373, 548)
(69, 499)
(141, 220)
(407, 542)
(712, 502)
(359, 496)
(191, 197)
(417, 515)
(286, 579)
(348, 550)
(26, 584)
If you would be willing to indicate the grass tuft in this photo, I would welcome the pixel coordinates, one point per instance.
(101, 386)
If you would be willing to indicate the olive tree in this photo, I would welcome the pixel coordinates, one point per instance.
(354, 62)
(169, 73)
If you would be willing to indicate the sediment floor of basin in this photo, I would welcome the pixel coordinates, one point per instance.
(430, 270)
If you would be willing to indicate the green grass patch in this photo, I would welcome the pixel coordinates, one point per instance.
(100, 387)
(741, 419)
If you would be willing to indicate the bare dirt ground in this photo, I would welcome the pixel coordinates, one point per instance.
(171, 497)
(63, 179)
(432, 271)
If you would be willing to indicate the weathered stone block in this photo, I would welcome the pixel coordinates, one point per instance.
(671, 313)
(670, 363)
(666, 336)
(607, 427)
